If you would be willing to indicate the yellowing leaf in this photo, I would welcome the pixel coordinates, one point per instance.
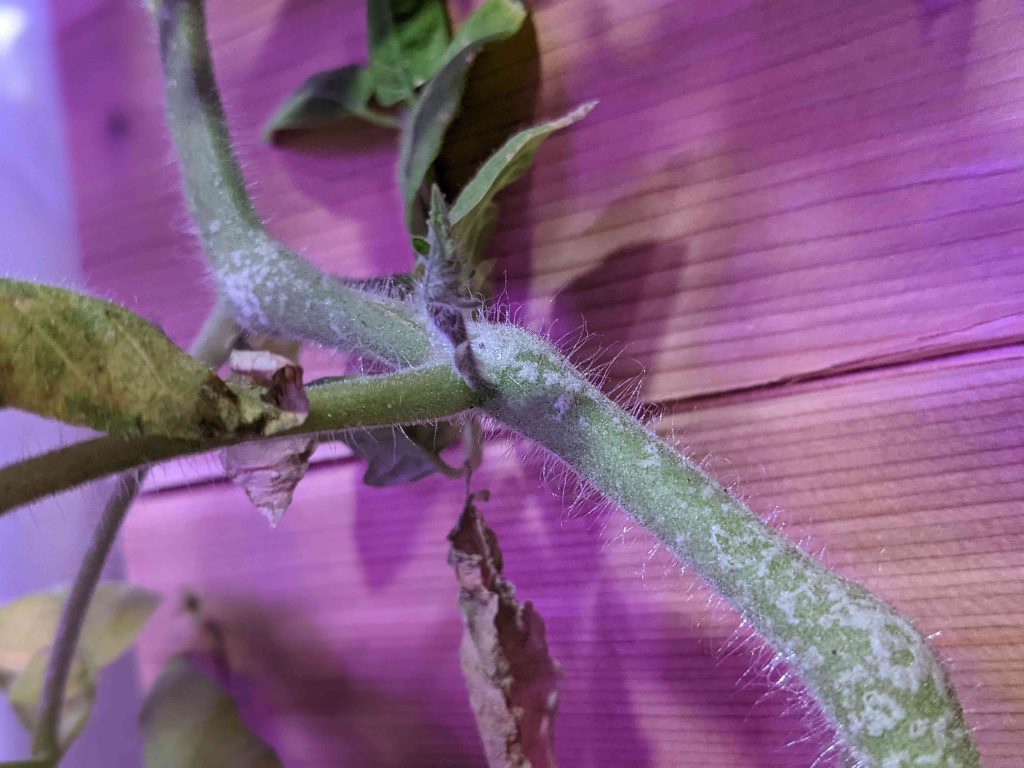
(116, 615)
(79, 696)
(189, 721)
(92, 363)
(27, 625)
(512, 679)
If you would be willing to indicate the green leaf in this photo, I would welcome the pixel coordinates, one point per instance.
(189, 721)
(474, 212)
(437, 105)
(510, 162)
(327, 98)
(26, 689)
(420, 245)
(402, 455)
(500, 97)
(493, 20)
(116, 615)
(471, 240)
(89, 362)
(424, 132)
(407, 41)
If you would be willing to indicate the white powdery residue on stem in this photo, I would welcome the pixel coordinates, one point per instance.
(870, 670)
(652, 457)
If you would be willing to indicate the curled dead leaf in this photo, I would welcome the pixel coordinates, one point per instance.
(511, 677)
(269, 470)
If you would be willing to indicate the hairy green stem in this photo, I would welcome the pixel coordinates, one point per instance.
(272, 290)
(212, 346)
(46, 742)
(868, 668)
(410, 396)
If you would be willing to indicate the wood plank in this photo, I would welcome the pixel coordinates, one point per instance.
(342, 626)
(767, 192)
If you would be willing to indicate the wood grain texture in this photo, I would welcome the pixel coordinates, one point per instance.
(342, 621)
(802, 219)
(792, 188)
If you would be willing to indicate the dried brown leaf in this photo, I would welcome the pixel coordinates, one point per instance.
(511, 677)
(269, 470)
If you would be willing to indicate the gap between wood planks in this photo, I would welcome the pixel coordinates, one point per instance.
(956, 354)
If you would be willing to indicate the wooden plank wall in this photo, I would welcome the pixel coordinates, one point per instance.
(802, 219)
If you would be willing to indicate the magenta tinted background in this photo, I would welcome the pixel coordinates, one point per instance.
(802, 219)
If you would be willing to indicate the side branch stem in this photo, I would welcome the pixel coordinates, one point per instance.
(212, 346)
(46, 742)
(407, 397)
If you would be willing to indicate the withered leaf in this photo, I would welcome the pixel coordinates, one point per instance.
(511, 677)
(85, 361)
(395, 456)
(269, 470)
(279, 378)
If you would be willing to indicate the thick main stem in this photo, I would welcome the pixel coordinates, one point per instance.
(868, 668)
